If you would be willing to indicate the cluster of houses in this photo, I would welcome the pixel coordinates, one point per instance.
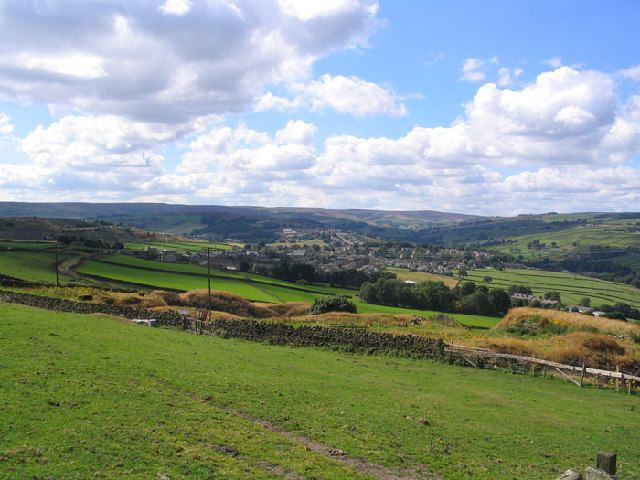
(347, 251)
(585, 310)
(340, 251)
(523, 299)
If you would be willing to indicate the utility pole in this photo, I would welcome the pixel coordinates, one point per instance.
(209, 279)
(57, 277)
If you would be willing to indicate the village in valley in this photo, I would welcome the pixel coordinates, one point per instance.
(334, 239)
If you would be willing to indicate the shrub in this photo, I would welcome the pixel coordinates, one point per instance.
(600, 343)
(553, 329)
(333, 303)
(171, 298)
(131, 301)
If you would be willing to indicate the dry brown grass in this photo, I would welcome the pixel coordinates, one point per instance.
(135, 300)
(576, 321)
(597, 342)
(425, 277)
(449, 329)
(286, 309)
(229, 303)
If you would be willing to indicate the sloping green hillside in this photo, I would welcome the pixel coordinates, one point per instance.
(88, 396)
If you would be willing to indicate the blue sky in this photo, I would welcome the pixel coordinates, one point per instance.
(493, 107)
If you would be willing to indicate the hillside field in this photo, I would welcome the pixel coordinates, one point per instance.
(32, 265)
(572, 288)
(258, 288)
(405, 274)
(91, 396)
(178, 246)
(597, 234)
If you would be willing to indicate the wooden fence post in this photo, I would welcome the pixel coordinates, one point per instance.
(607, 462)
(582, 374)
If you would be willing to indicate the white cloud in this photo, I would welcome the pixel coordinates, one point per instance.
(352, 95)
(269, 101)
(169, 63)
(6, 128)
(175, 7)
(472, 70)
(573, 189)
(555, 62)
(349, 95)
(246, 162)
(97, 142)
(508, 76)
(567, 120)
(563, 118)
(561, 143)
(306, 10)
(77, 65)
(632, 73)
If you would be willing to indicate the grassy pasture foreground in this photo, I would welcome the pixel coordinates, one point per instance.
(90, 396)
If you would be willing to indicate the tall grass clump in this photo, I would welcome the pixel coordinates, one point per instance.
(567, 338)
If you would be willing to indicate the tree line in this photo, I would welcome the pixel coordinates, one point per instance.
(466, 298)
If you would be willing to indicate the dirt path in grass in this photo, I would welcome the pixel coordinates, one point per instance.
(263, 290)
(373, 469)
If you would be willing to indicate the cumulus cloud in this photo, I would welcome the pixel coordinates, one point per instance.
(555, 62)
(175, 7)
(566, 117)
(561, 143)
(269, 101)
(97, 142)
(305, 10)
(169, 63)
(6, 128)
(243, 163)
(474, 69)
(560, 134)
(507, 76)
(632, 73)
(562, 118)
(352, 95)
(349, 95)
(89, 158)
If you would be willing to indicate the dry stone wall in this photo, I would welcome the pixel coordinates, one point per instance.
(163, 318)
(273, 333)
(320, 336)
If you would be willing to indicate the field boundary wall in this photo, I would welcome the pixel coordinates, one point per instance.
(272, 333)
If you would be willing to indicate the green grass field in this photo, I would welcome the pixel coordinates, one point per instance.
(33, 266)
(91, 397)
(24, 245)
(614, 234)
(258, 288)
(128, 260)
(173, 280)
(182, 246)
(404, 274)
(572, 287)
